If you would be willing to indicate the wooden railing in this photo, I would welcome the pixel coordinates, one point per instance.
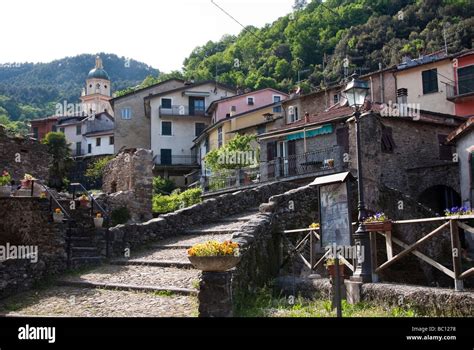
(312, 237)
(453, 222)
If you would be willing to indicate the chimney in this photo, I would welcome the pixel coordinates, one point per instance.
(306, 117)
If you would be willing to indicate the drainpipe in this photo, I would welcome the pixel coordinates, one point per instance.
(371, 89)
(382, 84)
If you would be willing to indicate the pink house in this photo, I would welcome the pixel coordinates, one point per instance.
(230, 106)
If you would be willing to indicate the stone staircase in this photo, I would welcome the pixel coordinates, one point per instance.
(84, 251)
(161, 275)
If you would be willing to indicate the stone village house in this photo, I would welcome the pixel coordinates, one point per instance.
(166, 118)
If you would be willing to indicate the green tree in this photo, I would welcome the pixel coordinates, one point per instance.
(59, 149)
(95, 170)
(236, 154)
(163, 186)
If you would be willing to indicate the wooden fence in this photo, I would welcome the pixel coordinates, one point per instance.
(454, 223)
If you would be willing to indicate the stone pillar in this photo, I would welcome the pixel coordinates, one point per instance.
(215, 294)
(353, 291)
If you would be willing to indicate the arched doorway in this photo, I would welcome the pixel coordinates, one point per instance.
(440, 197)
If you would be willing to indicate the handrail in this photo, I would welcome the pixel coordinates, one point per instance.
(51, 195)
(93, 200)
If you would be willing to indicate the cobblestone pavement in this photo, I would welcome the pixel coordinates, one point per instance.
(85, 302)
(164, 285)
(140, 276)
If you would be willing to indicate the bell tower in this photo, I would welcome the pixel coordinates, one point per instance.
(97, 93)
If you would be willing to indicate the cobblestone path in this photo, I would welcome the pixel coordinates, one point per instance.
(156, 282)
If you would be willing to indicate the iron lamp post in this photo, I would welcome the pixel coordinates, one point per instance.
(356, 92)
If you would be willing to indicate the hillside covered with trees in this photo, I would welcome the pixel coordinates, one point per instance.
(31, 90)
(318, 37)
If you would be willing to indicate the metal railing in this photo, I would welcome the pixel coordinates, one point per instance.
(464, 88)
(176, 160)
(181, 111)
(323, 161)
(315, 163)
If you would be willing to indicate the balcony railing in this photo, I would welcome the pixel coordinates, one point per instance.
(181, 111)
(462, 90)
(175, 160)
(316, 163)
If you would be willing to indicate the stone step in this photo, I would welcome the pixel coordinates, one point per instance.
(139, 275)
(126, 287)
(157, 254)
(186, 241)
(210, 231)
(82, 261)
(157, 263)
(84, 252)
(171, 246)
(245, 216)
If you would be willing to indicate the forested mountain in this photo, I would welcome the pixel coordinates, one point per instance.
(28, 90)
(318, 36)
(312, 42)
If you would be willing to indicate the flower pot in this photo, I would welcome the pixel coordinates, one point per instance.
(98, 222)
(5, 191)
(25, 183)
(332, 271)
(214, 263)
(84, 204)
(331, 163)
(58, 218)
(378, 226)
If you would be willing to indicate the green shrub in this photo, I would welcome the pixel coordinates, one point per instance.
(119, 216)
(176, 200)
(96, 169)
(163, 186)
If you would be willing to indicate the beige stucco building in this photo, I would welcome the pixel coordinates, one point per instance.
(176, 118)
(132, 126)
(423, 82)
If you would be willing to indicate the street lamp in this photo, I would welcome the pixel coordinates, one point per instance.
(356, 92)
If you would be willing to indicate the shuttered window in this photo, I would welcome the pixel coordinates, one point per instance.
(445, 151)
(430, 81)
(388, 144)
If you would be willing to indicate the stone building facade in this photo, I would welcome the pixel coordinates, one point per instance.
(128, 183)
(20, 156)
(409, 156)
(132, 125)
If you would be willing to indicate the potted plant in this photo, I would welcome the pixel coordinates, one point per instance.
(214, 256)
(27, 180)
(330, 163)
(84, 201)
(314, 226)
(98, 220)
(331, 267)
(58, 216)
(458, 211)
(378, 222)
(5, 184)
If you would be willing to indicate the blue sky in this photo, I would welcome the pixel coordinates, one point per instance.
(159, 33)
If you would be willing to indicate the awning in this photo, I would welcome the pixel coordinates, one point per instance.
(322, 130)
(196, 93)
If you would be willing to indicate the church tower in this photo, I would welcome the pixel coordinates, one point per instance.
(96, 95)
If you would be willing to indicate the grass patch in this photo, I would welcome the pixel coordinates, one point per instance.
(163, 293)
(264, 304)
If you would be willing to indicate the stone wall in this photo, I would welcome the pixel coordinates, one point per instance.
(20, 156)
(128, 182)
(26, 222)
(135, 235)
(412, 167)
